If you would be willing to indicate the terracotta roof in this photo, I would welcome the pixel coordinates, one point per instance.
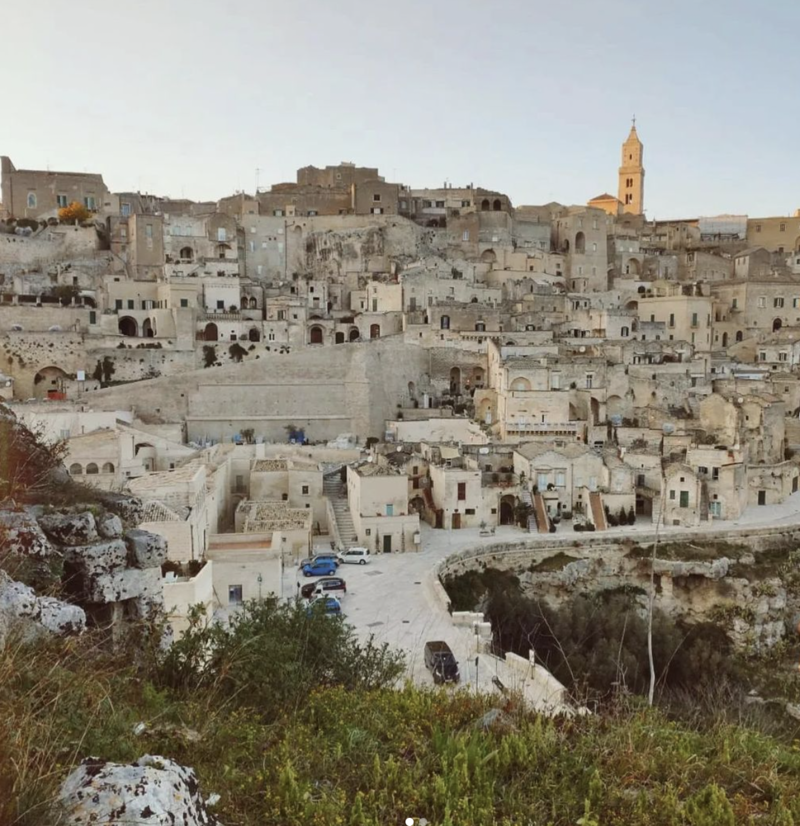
(604, 197)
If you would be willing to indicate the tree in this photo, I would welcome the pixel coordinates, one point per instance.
(74, 213)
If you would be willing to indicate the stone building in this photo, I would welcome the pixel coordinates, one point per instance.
(37, 194)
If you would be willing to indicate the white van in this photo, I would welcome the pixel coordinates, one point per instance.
(357, 556)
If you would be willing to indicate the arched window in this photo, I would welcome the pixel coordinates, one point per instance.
(254, 335)
(187, 254)
(31, 200)
(92, 468)
(739, 335)
(521, 384)
(444, 322)
(75, 469)
(624, 332)
(374, 330)
(580, 242)
(724, 339)
(253, 303)
(480, 327)
(108, 467)
(339, 339)
(355, 335)
(497, 206)
(485, 206)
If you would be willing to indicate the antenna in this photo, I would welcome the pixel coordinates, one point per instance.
(258, 177)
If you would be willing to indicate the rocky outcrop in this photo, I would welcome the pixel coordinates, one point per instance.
(21, 609)
(153, 790)
(70, 529)
(145, 549)
(109, 526)
(21, 534)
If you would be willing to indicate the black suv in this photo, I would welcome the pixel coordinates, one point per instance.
(439, 660)
(325, 584)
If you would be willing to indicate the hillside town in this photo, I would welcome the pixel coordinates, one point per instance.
(348, 360)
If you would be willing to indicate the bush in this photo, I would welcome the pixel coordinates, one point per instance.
(272, 656)
(74, 212)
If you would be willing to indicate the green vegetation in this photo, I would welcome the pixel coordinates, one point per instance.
(466, 591)
(708, 551)
(284, 747)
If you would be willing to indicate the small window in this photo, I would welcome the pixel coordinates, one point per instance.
(124, 208)
(783, 227)
(222, 234)
(234, 594)
(62, 201)
(184, 302)
(130, 303)
(368, 531)
(305, 490)
(758, 227)
(684, 500)
(462, 491)
(777, 302)
(376, 196)
(465, 235)
(672, 494)
(89, 202)
(31, 200)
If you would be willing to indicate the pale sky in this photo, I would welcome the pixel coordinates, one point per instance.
(190, 97)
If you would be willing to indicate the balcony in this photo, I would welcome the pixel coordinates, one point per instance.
(220, 316)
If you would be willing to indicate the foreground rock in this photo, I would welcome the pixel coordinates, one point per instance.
(153, 790)
(21, 609)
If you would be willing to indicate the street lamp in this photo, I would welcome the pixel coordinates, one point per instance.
(259, 579)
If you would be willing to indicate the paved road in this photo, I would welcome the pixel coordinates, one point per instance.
(392, 599)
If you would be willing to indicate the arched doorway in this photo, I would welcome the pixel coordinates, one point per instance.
(211, 333)
(315, 335)
(253, 303)
(374, 330)
(412, 390)
(485, 205)
(489, 257)
(187, 254)
(108, 467)
(776, 325)
(444, 322)
(339, 338)
(507, 508)
(455, 380)
(739, 335)
(417, 505)
(147, 328)
(92, 468)
(48, 381)
(75, 469)
(128, 327)
(354, 334)
(254, 334)
(594, 407)
(497, 205)
(580, 242)
(724, 339)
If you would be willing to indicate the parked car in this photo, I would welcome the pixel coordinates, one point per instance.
(324, 585)
(439, 660)
(327, 604)
(327, 555)
(357, 556)
(321, 567)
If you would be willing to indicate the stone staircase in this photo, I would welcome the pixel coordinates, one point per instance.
(344, 531)
(598, 514)
(542, 519)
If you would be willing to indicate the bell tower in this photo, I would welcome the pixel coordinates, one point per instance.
(631, 174)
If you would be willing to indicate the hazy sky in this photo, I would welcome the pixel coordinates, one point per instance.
(190, 97)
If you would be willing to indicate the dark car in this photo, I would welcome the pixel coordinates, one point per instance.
(319, 567)
(328, 583)
(327, 605)
(439, 660)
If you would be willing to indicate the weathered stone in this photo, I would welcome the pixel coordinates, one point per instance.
(21, 607)
(153, 790)
(128, 508)
(21, 534)
(70, 528)
(710, 570)
(127, 584)
(145, 549)
(109, 526)
(102, 558)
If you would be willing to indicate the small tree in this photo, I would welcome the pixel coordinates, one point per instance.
(74, 213)
(631, 516)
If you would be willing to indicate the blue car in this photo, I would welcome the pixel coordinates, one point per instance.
(322, 567)
(328, 605)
